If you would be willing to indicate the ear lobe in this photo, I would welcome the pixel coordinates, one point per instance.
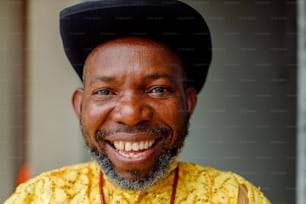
(191, 99)
(76, 100)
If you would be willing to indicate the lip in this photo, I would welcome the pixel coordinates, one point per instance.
(145, 155)
(141, 155)
(131, 137)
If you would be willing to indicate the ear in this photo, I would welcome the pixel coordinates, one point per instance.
(76, 99)
(191, 99)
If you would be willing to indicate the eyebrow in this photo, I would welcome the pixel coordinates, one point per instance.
(167, 76)
(150, 77)
(158, 76)
(103, 78)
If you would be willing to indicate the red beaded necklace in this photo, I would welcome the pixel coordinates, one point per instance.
(174, 185)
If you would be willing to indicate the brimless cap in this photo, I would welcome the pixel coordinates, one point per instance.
(180, 27)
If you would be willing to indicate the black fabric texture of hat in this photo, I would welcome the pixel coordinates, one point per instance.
(175, 24)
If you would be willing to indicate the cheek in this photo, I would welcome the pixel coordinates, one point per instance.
(174, 115)
(173, 111)
(93, 117)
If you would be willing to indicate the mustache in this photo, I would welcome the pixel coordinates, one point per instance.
(163, 131)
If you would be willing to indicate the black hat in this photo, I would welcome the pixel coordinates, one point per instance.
(181, 28)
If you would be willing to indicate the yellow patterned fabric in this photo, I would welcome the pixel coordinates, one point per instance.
(80, 184)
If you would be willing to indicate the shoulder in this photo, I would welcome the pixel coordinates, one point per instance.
(222, 186)
(57, 185)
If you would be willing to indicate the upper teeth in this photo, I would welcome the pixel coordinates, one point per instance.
(133, 146)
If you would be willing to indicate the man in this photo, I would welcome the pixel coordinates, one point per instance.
(142, 64)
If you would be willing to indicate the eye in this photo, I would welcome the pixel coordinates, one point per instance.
(159, 91)
(104, 92)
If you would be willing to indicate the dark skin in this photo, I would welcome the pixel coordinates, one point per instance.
(132, 82)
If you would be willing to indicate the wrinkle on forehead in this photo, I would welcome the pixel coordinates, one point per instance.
(136, 42)
(135, 46)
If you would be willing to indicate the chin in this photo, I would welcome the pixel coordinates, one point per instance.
(136, 181)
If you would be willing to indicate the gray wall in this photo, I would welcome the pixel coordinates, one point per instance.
(245, 118)
(10, 93)
(53, 134)
(301, 136)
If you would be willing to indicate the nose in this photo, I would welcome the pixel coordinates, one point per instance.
(132, 109)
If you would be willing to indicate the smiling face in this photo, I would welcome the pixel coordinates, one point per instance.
(134, 109)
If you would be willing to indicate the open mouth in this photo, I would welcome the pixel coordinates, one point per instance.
(133, 149)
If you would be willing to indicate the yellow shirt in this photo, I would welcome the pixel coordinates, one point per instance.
(80, 184)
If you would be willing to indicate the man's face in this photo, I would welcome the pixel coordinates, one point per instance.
(134, 108)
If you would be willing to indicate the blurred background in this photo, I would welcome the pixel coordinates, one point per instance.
(245, 120)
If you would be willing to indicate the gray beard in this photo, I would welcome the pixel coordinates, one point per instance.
(161, 170)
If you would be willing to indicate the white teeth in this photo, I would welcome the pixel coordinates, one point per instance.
(133, 146)
(116, 145)
(151, 143)
(146, 145)
(128, 146)
(121, 146)
(131, 154)
(141, 145)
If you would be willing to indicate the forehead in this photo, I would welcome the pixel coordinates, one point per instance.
(134, 41)
(128, 54)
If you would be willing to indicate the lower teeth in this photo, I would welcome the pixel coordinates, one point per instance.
(131, 154)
